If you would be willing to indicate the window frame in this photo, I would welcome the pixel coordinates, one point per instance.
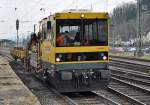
(97, 29)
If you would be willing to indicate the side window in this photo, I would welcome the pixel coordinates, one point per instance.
(95, 31)
(44, 31)
(103, 30)
(51, 32)
(44, 35)
(51, 35)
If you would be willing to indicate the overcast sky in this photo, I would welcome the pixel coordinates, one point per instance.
(29, 13)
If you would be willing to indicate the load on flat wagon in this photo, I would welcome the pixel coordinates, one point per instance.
(70, 51)
(18, 53)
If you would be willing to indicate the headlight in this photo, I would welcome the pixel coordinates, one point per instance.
(104, 57)
(58, 59)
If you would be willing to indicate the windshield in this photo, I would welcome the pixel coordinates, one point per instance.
(81, 32)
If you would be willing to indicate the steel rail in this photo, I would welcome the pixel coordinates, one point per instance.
(131, 79)
(134, 101)
(129, 72)
(137, 92)
(131, 85)
(107, 99)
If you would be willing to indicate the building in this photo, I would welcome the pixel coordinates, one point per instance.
(6, 43)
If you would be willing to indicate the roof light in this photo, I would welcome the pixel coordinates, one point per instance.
(82, 15)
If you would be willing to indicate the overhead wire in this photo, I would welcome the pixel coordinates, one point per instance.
(16, 8)
(95, 3)
(107, 4)
(38, 2)
(31, 9)
(70, 4)
(55, 6)
(27, 15)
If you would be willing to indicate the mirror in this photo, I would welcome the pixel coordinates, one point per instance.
(48, 25)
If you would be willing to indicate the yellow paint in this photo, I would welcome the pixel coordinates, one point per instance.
(77, 15)
(82, 49)
(82, 62)
(18, 53)
(49, 50)
(49, 56)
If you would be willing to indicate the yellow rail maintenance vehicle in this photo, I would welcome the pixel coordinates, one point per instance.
(74, 50)
(71, 51)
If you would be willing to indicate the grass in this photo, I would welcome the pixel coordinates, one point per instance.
(147, 57)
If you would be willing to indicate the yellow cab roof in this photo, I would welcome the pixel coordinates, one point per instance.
(78, 15)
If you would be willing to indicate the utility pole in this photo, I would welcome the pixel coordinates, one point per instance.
(113, 34)
(139, 36)
(17, 28)
(43, 9)
(34, 28)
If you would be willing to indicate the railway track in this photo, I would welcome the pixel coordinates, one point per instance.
(130, 58)
(91, 98)
(140, 65)
(138, 82)
(131, 66)
(131, 72)
(49, 96)
(132, 91)
(120, 92)
(126, 92)
(119, 97)
(139, 79)
(131, 78)
(45, 94)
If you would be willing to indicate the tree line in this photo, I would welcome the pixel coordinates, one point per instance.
(124, 23)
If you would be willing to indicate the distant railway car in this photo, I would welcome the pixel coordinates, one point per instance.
(18, 53)
(71, 51)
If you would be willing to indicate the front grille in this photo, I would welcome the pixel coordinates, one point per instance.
(85, 56)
